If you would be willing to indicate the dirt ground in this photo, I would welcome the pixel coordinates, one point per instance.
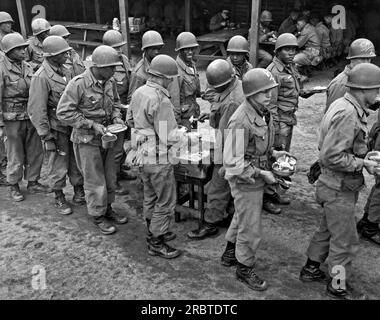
(80, 263)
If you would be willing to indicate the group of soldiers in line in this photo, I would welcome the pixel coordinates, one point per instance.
(46, 100)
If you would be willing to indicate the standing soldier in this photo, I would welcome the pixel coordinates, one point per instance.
(342, 156)
(247, 150)
(89, 104)
(74, 62)
(24, 146)
(189, 84)
(238, 49)
(122, 76)
(360, 51)
(229, 96)
(35, 54)
(46, 89)
(155, 125)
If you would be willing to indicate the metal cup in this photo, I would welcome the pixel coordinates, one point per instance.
(108, 140)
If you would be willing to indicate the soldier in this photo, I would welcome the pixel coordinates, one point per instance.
(122, 76)
(6, 23)
(47, 86)
(24, 146)
(264, 58)
(189, 83)
(219, 21)
(238, 50)
(40, 29)
(247, 150)
(74, 62)
(342, 156)
(229, 96)
(152, 113)
(360, 51)
(289, 25)
(89, 104)
(324, 35)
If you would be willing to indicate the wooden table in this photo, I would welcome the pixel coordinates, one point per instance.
(217, 41)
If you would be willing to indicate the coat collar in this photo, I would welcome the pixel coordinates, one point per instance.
(362, 112)
(155, 85)
(223, 95)
(11, 66)
(91, 81)
(185, 67)
(252, 114)
(52, 74)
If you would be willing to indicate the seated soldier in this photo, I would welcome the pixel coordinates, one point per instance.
(289, 25)
(324, 35)
(220, 20)
(265, 34)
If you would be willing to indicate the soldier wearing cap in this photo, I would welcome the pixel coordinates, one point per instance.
(122, 77)
(89, 104)
(248, 148)
(189, 83)
(228, 97)
(74, 62)
(361, 50)
(219, 21)
(47, 86)
(156, 130)
(264, 57)
(343, 156)
(35, 54)
(238, 50)
(24, 148)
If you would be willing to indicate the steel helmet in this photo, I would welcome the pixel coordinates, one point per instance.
(163, 66)
(186, 40)
(361, 48)
(219, 73)
(12, 41)
(105, 56)
(257, 80)
(364, 76)
(266, 16)
(54, 45)
(40, 25)
(238, 44)
(286, 40)
(59, 30)
(5, 17)
(151, 38)
(113, 39)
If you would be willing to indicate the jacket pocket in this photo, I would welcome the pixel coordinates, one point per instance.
(353, 182)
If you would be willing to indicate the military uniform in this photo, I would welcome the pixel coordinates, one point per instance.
(189, 90)
(337, 87)
(24, 148)
(34, 53)
(46, 89)
(86, 101)
(284, 102)
(324, 35)
(75, 64)
(215, 22)
(310, 45)
(242, 173)
(151, 106)
(219, 192)
(342, 147)
(288, 26)
(240, 71)
(263, 56)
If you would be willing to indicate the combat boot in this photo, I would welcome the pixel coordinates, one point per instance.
(205, 231)
(15, 194)
(312, 273)
(157, 247)
(35, 187)
(276, 198)
(370, 232)
(104, 226)
(126, 175)
(270, 207)
(168, 236)
(61, 203)
(345, 294)
(248, 276)
(79, 195)
(113, 216)
(120, 190)
(228, 258)
(3, 180)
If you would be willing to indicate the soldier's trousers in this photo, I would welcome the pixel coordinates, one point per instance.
(283, 136)
(120, 154)
(159, 196)
(245, 229)
(372, 207)
(24, 151)
(337, 237)
(218, 197)
(97, 166)
(3, 152)
(264, 58)
(60, 166)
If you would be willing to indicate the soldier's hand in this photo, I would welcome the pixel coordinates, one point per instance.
(1, 132)
(50, 145)
(268, 177)
(278, 154)
(204, 116)
(209, 96)
(99, 128)
(370, 166)
(118, 121)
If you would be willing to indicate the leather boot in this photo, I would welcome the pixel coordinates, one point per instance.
(104, 225)
(206, 230)
(35, 187)
(157, 247)
(248, 276)
(126, 175)
(312, 273)
(15, 194)
(79, 195)
(168, 236)
(270, 207)
(371, 232)
(228, 258)
(113, 216)
(345, 294)
(276, 198)
(61, 203)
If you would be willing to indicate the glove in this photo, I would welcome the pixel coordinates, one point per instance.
(203, 117)
(99, 128)
(50, 145)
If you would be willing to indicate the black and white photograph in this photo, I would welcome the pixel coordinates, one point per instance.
(189, 156)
